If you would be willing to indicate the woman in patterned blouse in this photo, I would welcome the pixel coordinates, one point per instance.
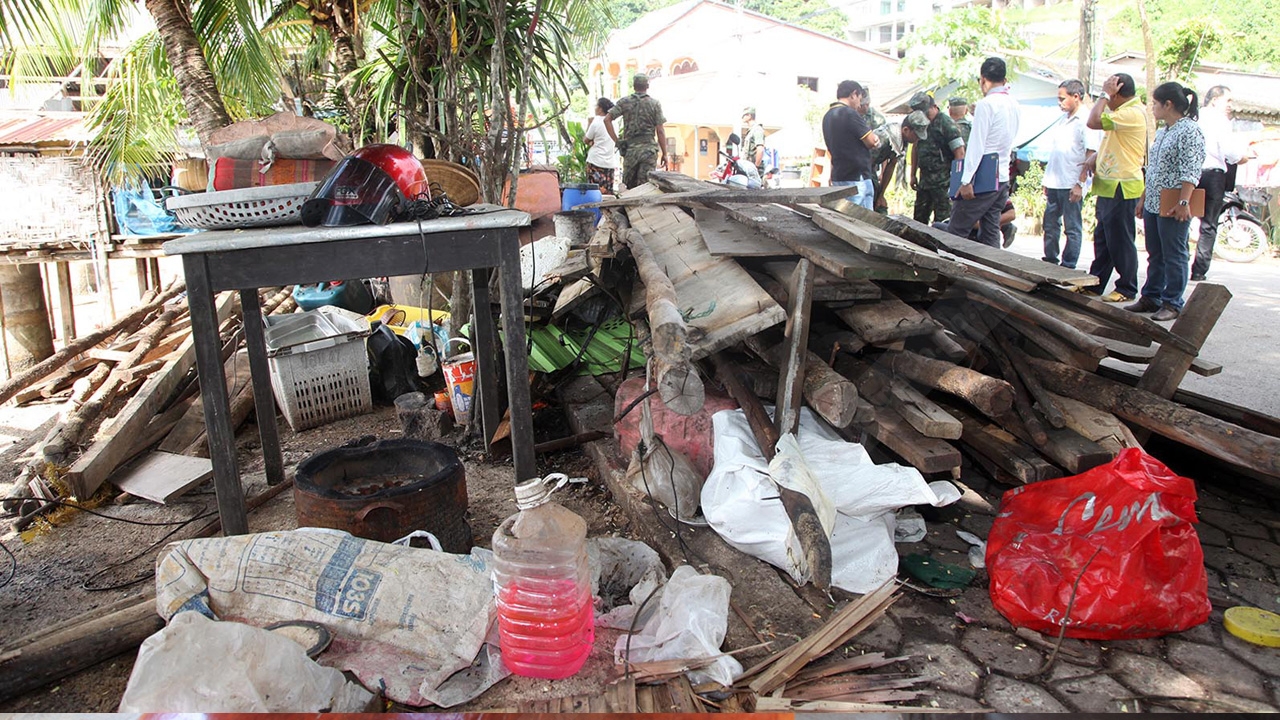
(1172, 164)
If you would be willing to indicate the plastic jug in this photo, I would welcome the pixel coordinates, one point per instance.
(546, 623)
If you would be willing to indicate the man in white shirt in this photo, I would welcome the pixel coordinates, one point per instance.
(995, 125)
(1221, 148)
(1065, 177)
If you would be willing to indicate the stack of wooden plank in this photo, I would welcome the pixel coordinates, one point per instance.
(930, 344)
(132, 387)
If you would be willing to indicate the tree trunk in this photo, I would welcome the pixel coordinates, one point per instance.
(28, 338)
(1149, 47)
(1085, 57)
(346, 59)
(196, 82)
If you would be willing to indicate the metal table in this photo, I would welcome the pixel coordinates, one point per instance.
(246, 260)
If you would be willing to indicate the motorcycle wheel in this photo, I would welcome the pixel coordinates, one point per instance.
(1240, 240)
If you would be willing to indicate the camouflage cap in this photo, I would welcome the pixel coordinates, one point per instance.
(640, 79)
(749, 110)
(919, 124)
(957, 101)
(921, 101)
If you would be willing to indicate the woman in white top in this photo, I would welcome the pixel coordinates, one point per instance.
(602, 157)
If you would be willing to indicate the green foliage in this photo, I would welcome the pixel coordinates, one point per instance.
(817, 15)
(573, 164)
(1189, 42)
(950, 48)
(624, 12)
(1029, 198)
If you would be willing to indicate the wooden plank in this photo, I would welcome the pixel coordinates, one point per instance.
(940, 240)
(1140, 324)
(1002, 449)
(114, 356)
(161, 476)
(827, 287)
(999, 299)
(1064, 446)
(66, 303)
(878, 243)
(573, 296)
(926, 454)
(1139, 355)
(721, 194)
(887, 320)
(726, 238)
(791, 375)
(116, 437)
(1170, 364)
(821, 247)
(1082, 321)
(922, 413)
(720, 319)
(1097, 425)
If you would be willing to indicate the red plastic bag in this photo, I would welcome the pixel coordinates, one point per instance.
(1147, 577)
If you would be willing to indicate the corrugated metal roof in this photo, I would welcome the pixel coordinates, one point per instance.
(38, 129)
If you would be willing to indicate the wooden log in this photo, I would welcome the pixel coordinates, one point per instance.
(1021, 396)
(921, 413)
(679, 385)
(47, 366)
(1002, 300)
(666, 326)
(1002, 450)
(791, 366)
(1048, 407)
(1140, 324)
(993, 397)
(826, 391)
(948, 346)
(1050, 346)
(813, 539)
(1218, 438)
(115, 440)
(1097, 425)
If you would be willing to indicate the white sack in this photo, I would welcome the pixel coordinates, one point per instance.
(407, 619)
(201, 665)
(691, 622)
(863, 493)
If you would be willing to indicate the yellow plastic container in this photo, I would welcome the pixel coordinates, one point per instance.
(400, 317)
(1251, 624)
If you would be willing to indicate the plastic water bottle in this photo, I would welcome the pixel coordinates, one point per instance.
(545, 619)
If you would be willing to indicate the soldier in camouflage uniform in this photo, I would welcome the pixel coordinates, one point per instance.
(642, 119)
(958, 108)
(931, 166)
(884, 157)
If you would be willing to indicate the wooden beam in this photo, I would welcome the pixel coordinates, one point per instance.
(1001, 300)
(887, 320)
(66, 303)
(1218, 438)
(116, 438)
(719, 194)
(926, 454)
(1139, 355)
(727, 238)
(876, 242)
(1001, 449)
(1170, 364)
(1140, 324)
(791, 371)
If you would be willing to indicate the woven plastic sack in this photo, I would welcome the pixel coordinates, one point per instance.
(1123, 530)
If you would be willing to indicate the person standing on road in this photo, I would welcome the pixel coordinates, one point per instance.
(642, 119)
(931, 161)
(1117, 183)
(1065, 176)
(958, 109)
(850, 142)
(1177, 154)
(1221, 150)
(995, 125)
(755, 139)
(602, 152)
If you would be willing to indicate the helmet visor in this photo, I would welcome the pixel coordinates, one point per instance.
(356, 192)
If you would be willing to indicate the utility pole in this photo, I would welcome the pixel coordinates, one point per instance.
(1088, 10)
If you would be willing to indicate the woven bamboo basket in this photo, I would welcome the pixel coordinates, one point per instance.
(459, 182)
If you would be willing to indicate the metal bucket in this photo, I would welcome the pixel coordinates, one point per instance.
(384, 489)
(575, 225)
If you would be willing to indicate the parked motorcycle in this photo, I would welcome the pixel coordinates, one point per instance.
(1241, 236)
(733, 170)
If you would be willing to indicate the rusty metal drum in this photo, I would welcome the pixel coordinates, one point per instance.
(385, 489)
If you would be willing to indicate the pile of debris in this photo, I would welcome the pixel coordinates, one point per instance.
(929, 343)
(131, 387)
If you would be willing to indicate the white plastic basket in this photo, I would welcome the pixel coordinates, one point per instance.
(251, 207)
(319, 367)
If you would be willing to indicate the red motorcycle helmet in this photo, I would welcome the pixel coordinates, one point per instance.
(368, 186)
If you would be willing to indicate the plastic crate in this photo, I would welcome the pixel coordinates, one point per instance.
(319, 366)
(250, 207)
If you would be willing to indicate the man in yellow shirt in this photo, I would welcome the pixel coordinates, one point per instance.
(1117, 181)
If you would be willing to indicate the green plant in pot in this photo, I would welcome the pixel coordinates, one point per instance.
(573, 164)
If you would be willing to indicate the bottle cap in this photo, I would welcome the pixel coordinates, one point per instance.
(1251, 624)
(535, 492)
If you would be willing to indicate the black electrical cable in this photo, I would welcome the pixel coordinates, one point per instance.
(141, 578)
(126, 520)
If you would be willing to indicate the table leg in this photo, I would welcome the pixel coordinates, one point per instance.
(517, 358)
(264, 402)
(213, 391)
(486, 353)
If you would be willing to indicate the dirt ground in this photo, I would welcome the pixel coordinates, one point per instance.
(57, 563)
